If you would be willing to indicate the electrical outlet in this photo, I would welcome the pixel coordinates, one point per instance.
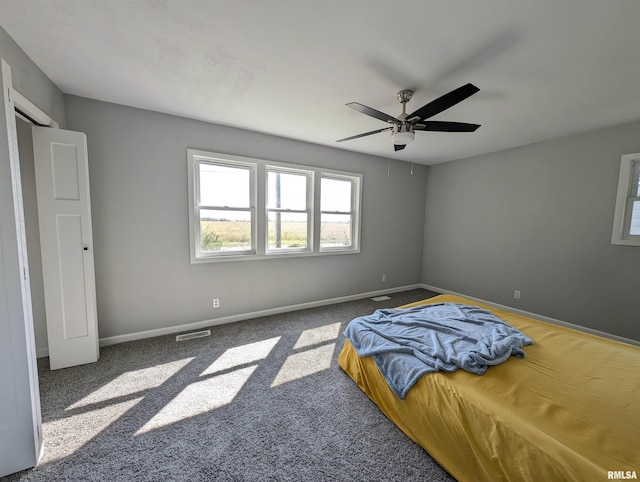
(216, 303)
(516, 294)
(384, 278)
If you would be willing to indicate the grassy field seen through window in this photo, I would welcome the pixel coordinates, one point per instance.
(231, 235)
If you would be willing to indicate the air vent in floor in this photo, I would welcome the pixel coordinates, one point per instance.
(195, 334)
(381, 298)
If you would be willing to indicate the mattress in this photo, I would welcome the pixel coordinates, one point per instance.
(568, 411)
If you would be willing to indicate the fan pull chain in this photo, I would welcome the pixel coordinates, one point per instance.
(389, 169)
(412, 168)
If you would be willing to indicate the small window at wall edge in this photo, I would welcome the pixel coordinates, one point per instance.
(626, 222)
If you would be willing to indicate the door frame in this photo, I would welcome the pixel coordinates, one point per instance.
(12, 98)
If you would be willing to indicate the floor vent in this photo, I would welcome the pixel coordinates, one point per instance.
(381, 298)
(195, 334)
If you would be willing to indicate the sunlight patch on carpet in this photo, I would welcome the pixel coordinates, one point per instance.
(242, 355)
(305, 363)
(315, 336)
(64, 436)
(200, 397)
(132, 382)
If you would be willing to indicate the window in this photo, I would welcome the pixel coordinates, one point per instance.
(336, 212)
(224, 207)
(288, 209)
(626, 223)
(243, 208)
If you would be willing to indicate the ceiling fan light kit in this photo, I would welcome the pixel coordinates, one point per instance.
(404, 126)
(402, 137)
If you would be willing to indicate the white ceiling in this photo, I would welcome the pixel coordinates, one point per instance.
(545, 69)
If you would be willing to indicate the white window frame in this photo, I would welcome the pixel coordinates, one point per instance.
(309, 175)
(194, 159)
(354, 212)
(627, 181)
(259, 224)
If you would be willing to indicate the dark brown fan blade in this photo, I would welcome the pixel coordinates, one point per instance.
(399, 147)
(443, 103)
(365, 134)
(443, 126)
(372, 112)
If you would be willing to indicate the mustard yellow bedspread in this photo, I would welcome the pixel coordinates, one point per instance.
(569, 411)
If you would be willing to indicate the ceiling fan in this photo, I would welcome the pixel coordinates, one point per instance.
(404, 126)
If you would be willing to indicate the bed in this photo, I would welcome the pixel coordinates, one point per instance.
(568, 411)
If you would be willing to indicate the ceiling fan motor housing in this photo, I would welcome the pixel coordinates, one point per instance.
(404, 96)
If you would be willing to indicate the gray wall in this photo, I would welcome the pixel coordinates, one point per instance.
(537, 219)
(30, 81)
(138, 175)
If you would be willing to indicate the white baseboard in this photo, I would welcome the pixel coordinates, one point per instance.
(112, 340)
(42, 352)
(141, 335)
(536, 316)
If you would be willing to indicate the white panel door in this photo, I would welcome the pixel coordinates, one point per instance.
(64, 214)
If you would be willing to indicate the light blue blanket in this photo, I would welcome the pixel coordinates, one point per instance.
(406, 343)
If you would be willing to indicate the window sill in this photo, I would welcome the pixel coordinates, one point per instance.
(620, 241)
(259, 257)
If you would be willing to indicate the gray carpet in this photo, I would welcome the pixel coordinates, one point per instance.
(258, 400)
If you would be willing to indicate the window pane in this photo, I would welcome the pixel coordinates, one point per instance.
(224, 186)
(286, 191)
(635, 188)
(287, 230)
(225, 230)
(335, 230)
(634, 228)
(335, 195)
